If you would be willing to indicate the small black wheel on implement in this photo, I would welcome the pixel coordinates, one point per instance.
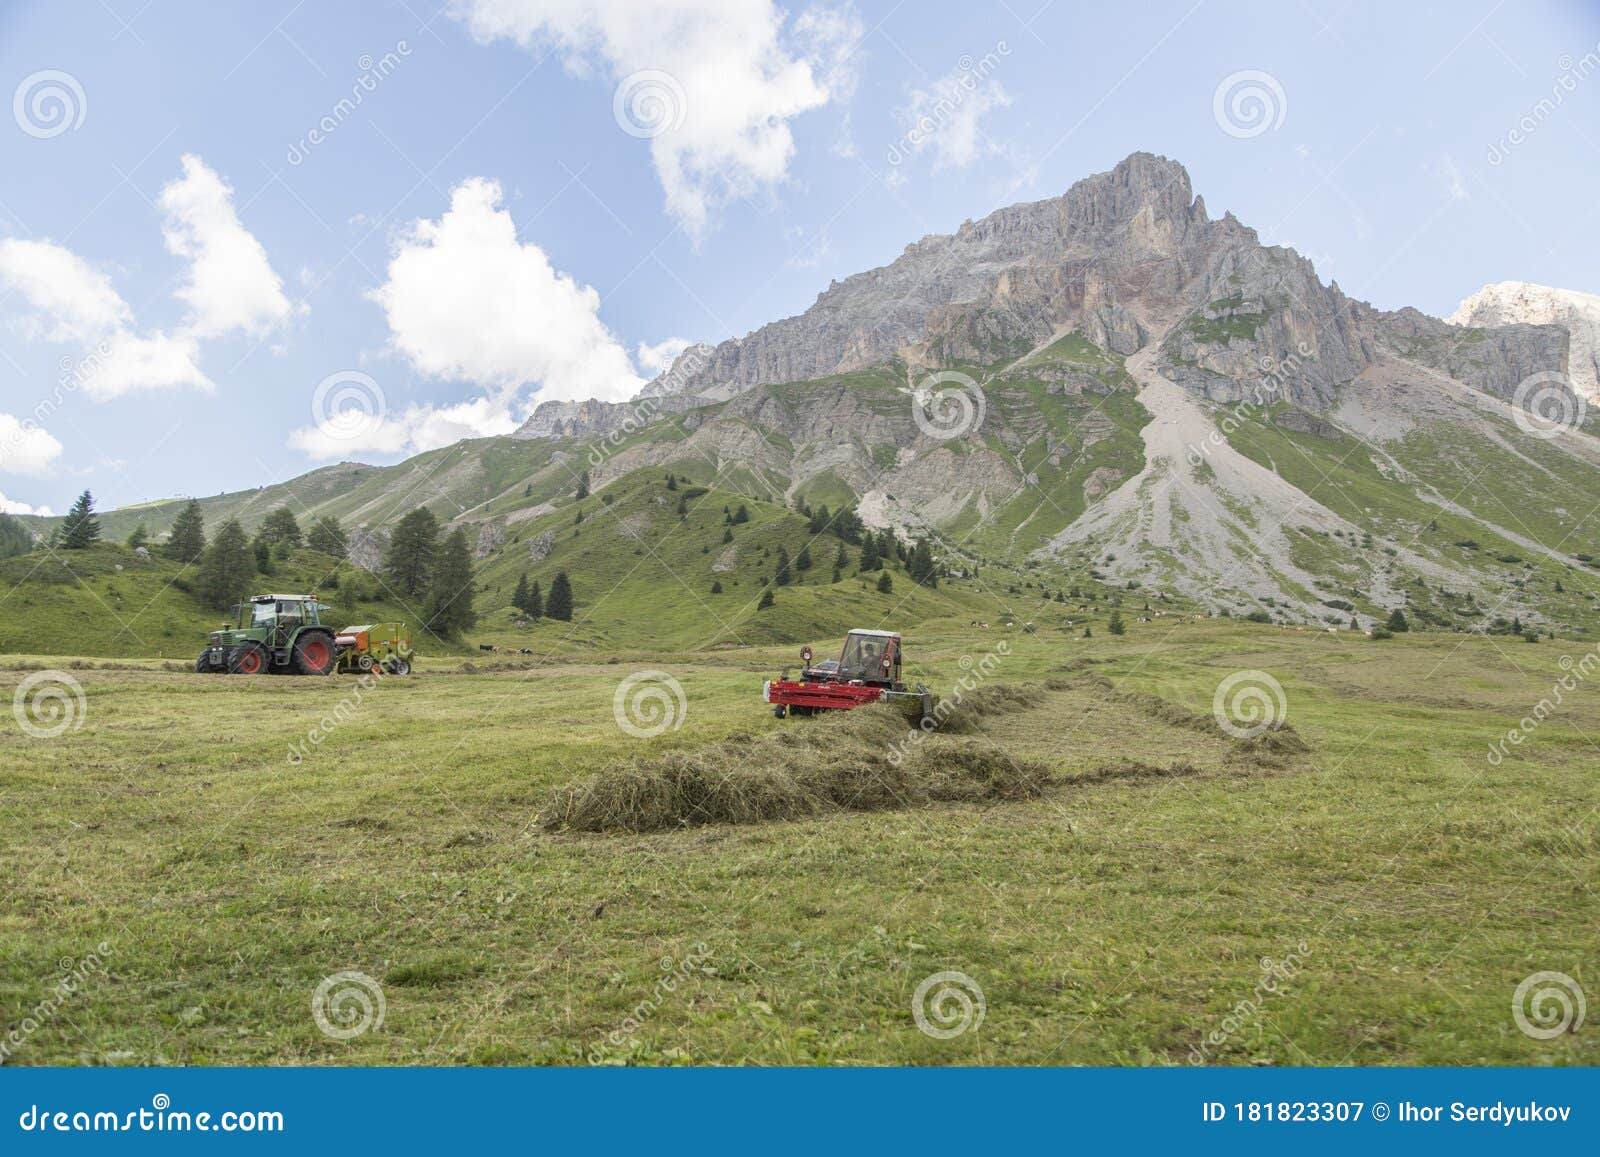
(364, 662)
(398, 666)
(779, 711)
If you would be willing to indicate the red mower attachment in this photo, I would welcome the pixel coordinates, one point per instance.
(866, 671)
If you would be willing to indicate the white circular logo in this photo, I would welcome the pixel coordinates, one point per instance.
(649, 703)
(1249, 103)
(1247, 703)
(648, 103)
(48, 704)
(347, 1004)
(1545, 405)
(348, 405)
(948, 405)
(948, 1004)
(49, 103)
(1548, 1004)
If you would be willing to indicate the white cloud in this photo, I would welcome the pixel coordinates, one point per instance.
(127, 363)
(417, 428)
(70, 299)
(7, 506)
(657, 359)
(26, 447)
(732, 79)
(465, 300)
(231, 285)
(948, 116)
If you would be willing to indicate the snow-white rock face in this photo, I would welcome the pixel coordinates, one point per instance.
(1510, 302)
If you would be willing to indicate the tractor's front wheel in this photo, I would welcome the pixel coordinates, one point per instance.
(313, 654)
(247, 660)
(202, 665)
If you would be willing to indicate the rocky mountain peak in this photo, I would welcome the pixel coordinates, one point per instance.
(1520, 302)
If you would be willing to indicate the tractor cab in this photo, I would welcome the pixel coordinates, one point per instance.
(272, 633)
(869, 657)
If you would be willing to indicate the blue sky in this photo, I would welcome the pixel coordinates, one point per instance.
(543, 199)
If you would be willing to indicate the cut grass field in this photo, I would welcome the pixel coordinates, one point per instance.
(1122, 917)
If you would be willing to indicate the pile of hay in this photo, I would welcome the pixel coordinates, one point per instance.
(862, 760)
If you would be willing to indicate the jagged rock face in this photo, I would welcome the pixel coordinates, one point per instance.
(364, 548)
(491, 537)
(574, 419)
(1513, 302)
(1493, 360)
(540, 546)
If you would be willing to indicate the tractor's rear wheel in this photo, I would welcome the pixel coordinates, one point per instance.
(313, 654)
(247, 660)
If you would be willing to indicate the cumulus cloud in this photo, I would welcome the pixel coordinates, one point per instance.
(714, 83)
(658, 358)
(25, 446)
(126, 362)
(465, 300)
(947, 117)
(413, 430)
(7, 506)
(67, 299)
(231, 286)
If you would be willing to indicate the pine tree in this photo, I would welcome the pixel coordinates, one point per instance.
(672, 483)
(186, 541)
(885, 583)
(781, 576)
(583, 486)
(869, 554)
(328, 536)
(408, 562)
(80, 529)
(280, 528)
(716, 586)
(741, 515)
(450, 611)
(559, 605)
(920, 565)
(820, 519)
(838, 573)
(766, 600)
(840, 559)
(226, 569)
(802, 561)
(727, 535)
(1115, 624)
(535, 605)
(519, 597)
(140, 536)
(1397, 621)
(262, 550)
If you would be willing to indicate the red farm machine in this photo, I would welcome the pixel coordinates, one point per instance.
(866, 671)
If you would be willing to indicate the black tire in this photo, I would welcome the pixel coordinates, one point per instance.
(779, 711)
(399, 666)
(202, 665)
(248, 659)
(314, 653)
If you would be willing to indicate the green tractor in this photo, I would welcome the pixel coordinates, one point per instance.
(279, 633)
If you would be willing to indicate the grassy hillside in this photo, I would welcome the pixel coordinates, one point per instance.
(107, 601)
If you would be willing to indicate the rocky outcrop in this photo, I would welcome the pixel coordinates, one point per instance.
(1514, 302)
